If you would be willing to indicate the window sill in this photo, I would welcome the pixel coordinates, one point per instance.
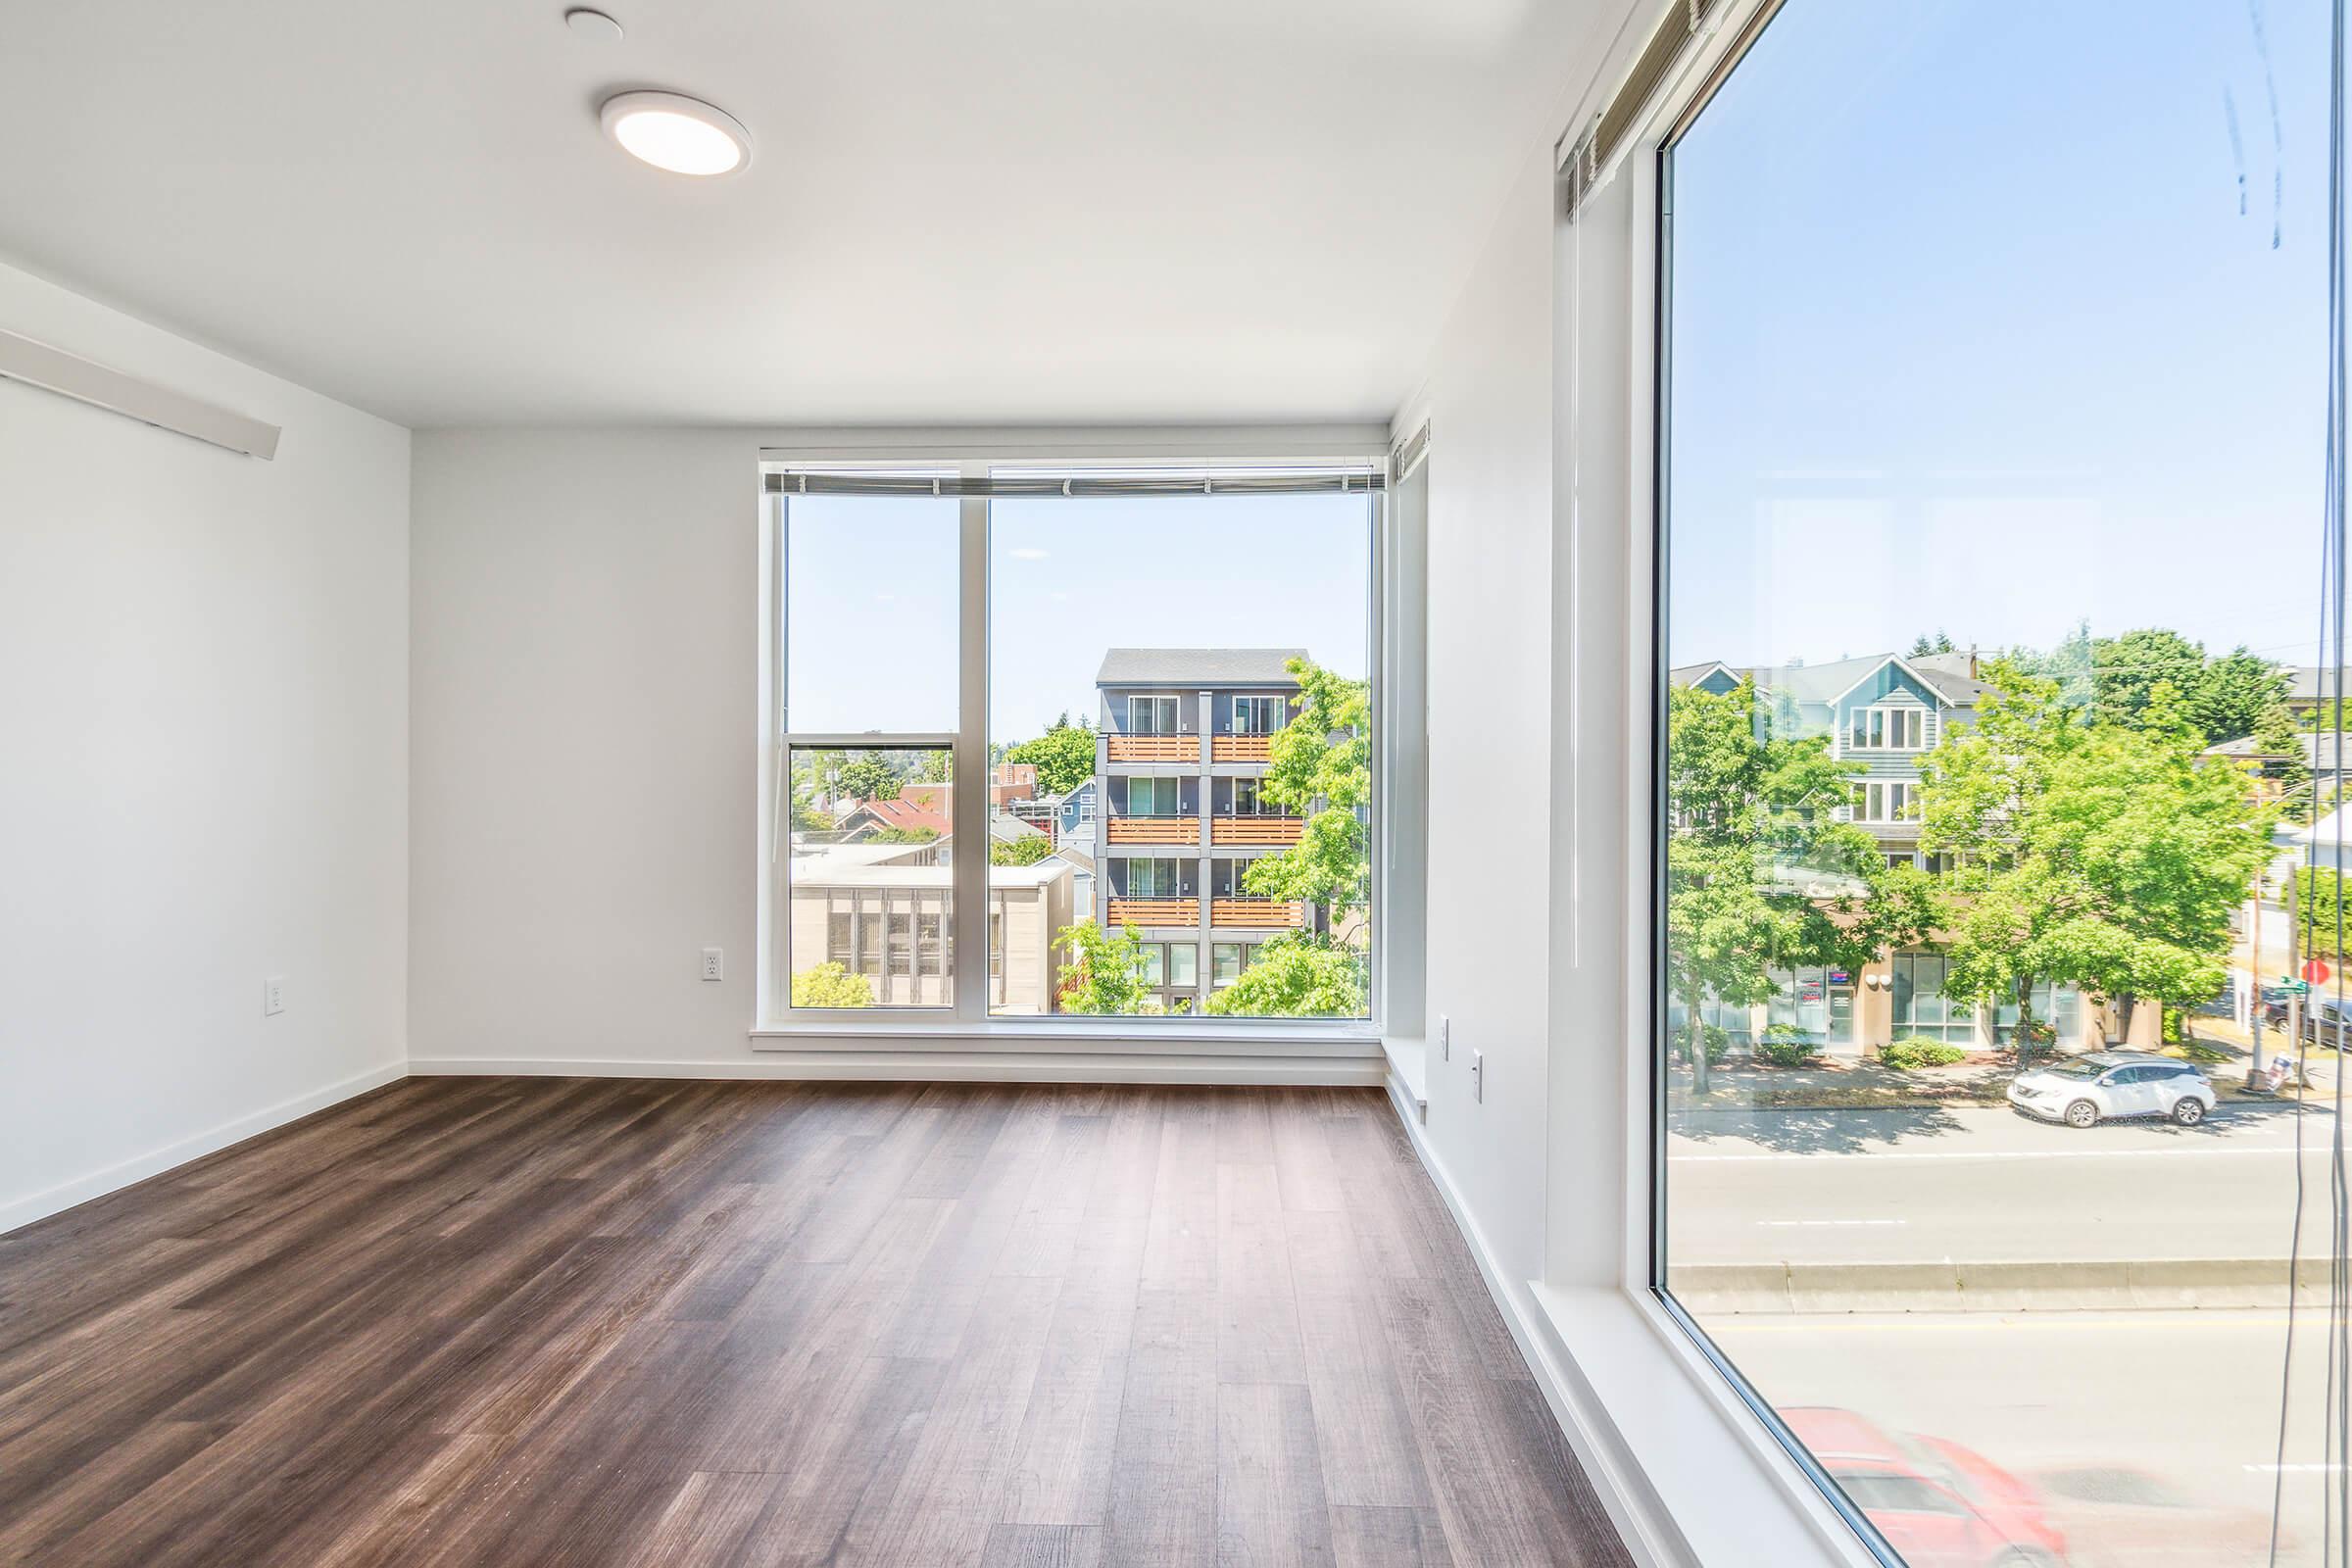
(945, 1032)
(1713, 1475)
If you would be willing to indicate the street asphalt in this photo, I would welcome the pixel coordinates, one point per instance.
(1980, 1183)
(2174, 1414)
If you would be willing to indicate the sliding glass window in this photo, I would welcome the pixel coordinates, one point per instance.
(1176, 750)
(1993, 408)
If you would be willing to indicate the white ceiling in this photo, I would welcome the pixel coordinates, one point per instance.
(960, 210)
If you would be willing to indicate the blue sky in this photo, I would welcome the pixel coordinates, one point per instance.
(874, 613)
(1970, 332)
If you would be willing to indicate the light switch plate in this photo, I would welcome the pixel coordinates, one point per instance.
(1444, 1038)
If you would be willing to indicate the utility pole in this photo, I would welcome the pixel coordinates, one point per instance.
(2294, 995)
(2254, 1010)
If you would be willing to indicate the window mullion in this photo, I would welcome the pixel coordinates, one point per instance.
(971, 795)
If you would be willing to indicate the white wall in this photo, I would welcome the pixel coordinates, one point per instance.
(586, 755)
(1491, 705)
(586, 746)
(203, 763)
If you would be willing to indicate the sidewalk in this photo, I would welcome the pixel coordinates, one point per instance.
(1980, 1079)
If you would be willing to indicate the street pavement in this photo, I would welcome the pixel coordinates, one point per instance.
(1982, 1184)
(2179, 1410)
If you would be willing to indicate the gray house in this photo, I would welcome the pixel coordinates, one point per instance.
(1185, 737)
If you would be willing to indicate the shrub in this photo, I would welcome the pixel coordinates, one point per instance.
(1718, 1042)
(1918, 1050)
(831, 984)
(1784, 1045)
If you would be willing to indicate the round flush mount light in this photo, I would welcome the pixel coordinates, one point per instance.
(585, 22)
(671, 131)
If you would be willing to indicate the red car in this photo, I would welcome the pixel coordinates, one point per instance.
(1938, 1503)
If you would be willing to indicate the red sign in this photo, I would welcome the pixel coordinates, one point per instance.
(2316, 970)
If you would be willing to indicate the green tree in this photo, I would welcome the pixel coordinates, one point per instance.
(865, 778)
(1940, 643)
(2234, 694)
(2095, 848)
(902, 835)
(1103, 972)
(2319, 915)
(1760, 874)
(2281, 743)
(831, 984)
(1027, 849)
(1319, 765)
(1064, 757)
(931, 766)
(2221, 698)
(1297, 974)
(806, 816)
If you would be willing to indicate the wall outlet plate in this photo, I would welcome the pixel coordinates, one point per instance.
(274, 996)
(1478, 1076)
(1444, 1038)
(715, 964)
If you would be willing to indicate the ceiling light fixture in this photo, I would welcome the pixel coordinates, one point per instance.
(671, 131)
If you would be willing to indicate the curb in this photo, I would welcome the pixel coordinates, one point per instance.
(1995, 1286)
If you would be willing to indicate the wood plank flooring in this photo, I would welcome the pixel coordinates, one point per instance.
(579, 1322)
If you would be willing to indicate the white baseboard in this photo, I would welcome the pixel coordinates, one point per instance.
(21, 1212)
(1648, 1530)
(948, 1066)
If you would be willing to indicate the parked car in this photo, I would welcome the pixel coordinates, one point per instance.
(2085, 1091)
(2120, 1516)
(1938, 1504)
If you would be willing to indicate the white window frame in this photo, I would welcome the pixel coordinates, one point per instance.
(1327, 1049)
(1660, 1406)
(1885, 718)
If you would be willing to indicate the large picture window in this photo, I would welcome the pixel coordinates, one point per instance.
(1991, 406)
(1168, 788)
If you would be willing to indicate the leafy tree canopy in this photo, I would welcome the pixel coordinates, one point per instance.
(866, 778)
(1103, 972)
(2096, 848)
(1297, 975)
(1940, 643)
(831, 984)
(1064, 757)
(902, 835)
(1319, 765)
(2221, 698)
(1760, 874)
(1027, 849)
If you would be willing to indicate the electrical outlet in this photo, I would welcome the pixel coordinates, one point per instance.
(1444, 1038)
(715, 964)
(274, 996)
(1478, 1076)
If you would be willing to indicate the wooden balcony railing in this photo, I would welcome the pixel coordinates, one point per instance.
(1240, 748)
(1255, 829)
(1152, 748)
(1154, 830)
(1155, 911)
(1253, 912)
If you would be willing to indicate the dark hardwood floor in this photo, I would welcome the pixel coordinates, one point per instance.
(576, 1322)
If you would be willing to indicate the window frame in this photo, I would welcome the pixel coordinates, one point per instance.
(1645, 164)
(966, 1024)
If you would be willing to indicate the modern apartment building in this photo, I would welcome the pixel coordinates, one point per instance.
(1179, 766)
(1882, 712)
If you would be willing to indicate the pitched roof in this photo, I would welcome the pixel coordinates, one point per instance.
(913, 809)
(1824, 683)
(1197, 667)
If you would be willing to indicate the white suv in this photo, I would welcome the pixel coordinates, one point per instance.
(2084, 1091)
